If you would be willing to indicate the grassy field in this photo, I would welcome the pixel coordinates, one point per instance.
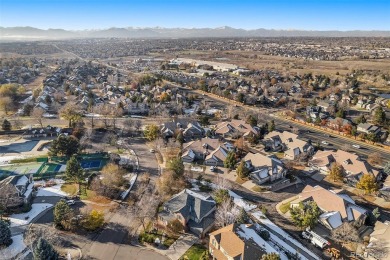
(194, 253)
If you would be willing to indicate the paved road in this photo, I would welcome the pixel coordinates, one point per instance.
(315, 134)
(112, 242)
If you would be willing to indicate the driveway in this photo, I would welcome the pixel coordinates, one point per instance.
(112, 243)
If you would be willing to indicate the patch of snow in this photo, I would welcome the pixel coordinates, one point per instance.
(239, 201)
(26, 218)
(126, 192)
(268, 223)
(14, 249)
(197, 169)
(51, 191)
(249, 233)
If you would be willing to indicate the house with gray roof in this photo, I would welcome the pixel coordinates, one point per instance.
(194, 210)
(16, 190)
(191, 129)
(368, 128)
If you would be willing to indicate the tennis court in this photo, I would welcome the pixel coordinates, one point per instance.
(91, 164)
(51, 168)
(26, 168)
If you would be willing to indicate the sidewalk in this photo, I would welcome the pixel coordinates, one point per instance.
(181, 245)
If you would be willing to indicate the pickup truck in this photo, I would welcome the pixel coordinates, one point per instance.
(315, 239)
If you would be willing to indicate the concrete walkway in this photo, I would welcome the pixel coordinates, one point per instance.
(181, 245)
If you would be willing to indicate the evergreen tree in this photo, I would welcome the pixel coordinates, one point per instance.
(62, 214)
(271, 126)
(73, 171)
(176, 165)
(230, 160)
(305, 215)
(44, 251)
(6, 126)
(5, 234)
(64, 146)
(379, 116)
(221, 195)
(243, 217)
(242, 170)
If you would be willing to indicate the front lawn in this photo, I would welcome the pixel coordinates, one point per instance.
(195, 252)
(151, 236)
(70, 188)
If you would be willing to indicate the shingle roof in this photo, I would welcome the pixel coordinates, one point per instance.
(190, 203)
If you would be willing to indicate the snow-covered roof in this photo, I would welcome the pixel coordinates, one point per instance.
(332, 218)
(23, 180)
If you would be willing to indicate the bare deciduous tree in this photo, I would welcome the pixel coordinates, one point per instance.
(378, 249)
(37, 114)
(226, 213)
(345, 233)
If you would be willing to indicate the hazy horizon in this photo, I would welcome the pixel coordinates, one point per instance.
(332, 15)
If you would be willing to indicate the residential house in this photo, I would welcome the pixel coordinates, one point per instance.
(381, 237)
(325, 106)
(235, 128)
(338, 123)
(199, 149)
(16, 190)
(264, 168)
(238, 241)
(368, 128)
(354, 168)
(336, 206)
(49, 131)
(287, 142)
(191, 129)
(194, 210)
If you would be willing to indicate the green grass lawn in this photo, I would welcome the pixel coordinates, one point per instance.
(285, 207)
(194, 253)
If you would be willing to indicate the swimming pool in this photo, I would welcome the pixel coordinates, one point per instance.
(19, 147)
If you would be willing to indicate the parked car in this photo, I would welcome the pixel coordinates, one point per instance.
(152, 150)
(356, 146)
(325, 142)
(213, 168)
(70, 202)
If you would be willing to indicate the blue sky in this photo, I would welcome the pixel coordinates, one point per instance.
(271, 14)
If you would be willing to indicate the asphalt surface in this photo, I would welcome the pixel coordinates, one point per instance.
(112, 242)
(306, 132)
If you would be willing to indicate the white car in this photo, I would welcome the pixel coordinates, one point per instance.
(70, 202)
(356, 146)
(325, 142)
(152, 151)
(213, 168)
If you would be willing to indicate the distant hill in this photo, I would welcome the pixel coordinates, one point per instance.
(23, 33)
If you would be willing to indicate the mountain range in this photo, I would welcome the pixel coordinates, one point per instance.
(23, 33)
